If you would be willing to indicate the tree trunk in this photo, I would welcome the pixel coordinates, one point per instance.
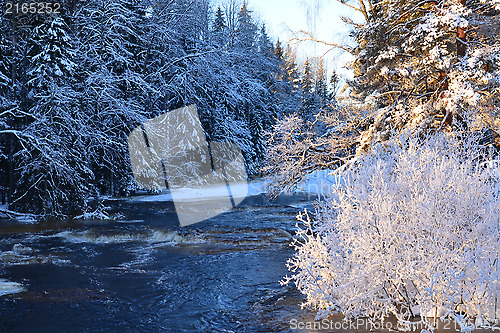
(10, 160)
(461, 35)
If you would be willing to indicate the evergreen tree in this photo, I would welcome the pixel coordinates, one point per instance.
(246, 29)
(9, 102)
(416, 61)
(112, 87)
(321, 86)
(51, 57)
(307, 81)
(278, 50)
(220, 21)
(287, 88)
(334, 86)
(265, 45)
(291, 68)
(53, 174)
(219, 29)
(308, 101)
(6, 64)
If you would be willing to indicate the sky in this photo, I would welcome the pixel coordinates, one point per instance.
(284, 18)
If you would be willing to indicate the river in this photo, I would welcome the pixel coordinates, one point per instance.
(143, 273)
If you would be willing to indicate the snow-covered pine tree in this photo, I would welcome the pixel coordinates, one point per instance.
(5, 62)
(420, 68)
(268, 65)
(253, 71)
(321, 85)
(264, 43)
(292, 70)
(113, 89)
(287, 86)
(219, 29)
(333, 86)
(8, 103)
(278, 49)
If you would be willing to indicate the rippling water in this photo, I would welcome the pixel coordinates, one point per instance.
(146, 274)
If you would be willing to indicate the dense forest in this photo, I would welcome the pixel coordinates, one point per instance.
(74, 84)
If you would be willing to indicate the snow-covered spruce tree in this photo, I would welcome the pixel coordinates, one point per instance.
(321, 85)
(308, 106)
(264, 43)
(247, 49)
(15, 31)
(219, 27)
(315, 91)
(412, 232)
(219, 21)
(244, 78)
(53, 174)
(246, 30)
(268, 66)
(8, 102)
(288, 84)
(5, 62)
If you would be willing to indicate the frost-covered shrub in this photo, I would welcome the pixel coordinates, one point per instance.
(413, 232)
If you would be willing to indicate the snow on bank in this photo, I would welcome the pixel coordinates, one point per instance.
(19, 217)
(318, 183)
(8, 287)
(253, 188)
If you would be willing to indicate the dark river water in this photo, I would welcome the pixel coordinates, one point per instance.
(144, 273)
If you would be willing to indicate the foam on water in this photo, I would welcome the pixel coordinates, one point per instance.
(149, 236)
(230, 236)
(24, 255)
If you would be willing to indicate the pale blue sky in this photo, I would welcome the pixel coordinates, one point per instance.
(321, 17)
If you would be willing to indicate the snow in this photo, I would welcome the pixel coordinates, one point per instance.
(207, 192)
(8, 287)
(417, 216)
(318, 182)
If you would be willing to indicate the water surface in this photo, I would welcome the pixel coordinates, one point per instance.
(144, 273)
